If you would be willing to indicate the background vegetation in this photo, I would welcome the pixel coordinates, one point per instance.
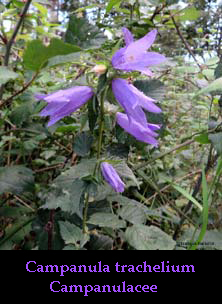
(173, 193)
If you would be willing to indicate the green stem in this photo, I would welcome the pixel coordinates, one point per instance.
(99, 147)
(84, 225)
(101, 122)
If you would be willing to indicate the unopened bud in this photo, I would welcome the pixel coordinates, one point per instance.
(99, 69)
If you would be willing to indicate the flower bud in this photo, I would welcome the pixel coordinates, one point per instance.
(99, 69)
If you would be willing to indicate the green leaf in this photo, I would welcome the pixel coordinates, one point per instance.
(216, 140)
(130, 210)
(212, 239)
(84, 168)
(15, 234)
(63, 59)
(106, 220)
(21, 113)
(190, 14)
(142, 237)
(36, 54)
(118, 151)
(100, 242)
(202, 139)
(83, 143)
(218, 70)
(68, 128)
(6, 75)
(68, 188)
(153, 88)
(188, 196)
(111, 4)
(80, 32)
(16, 179)
(72, 234)
(214, 88)
(205, 211)
(93, 112)
(126, 172)
(67, 197)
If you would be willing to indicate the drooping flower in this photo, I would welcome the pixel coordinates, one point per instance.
(132, 100)
(64, 102)
(112, 177)
(135, 128)
(134, 56)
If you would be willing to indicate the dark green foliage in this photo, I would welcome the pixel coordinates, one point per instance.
(16, 179)
(82, 144)
(80, 32)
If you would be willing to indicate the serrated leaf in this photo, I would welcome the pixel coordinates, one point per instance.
(6, 75)
(83, 143)
(80, 32)
(36, 54)
(216, 140)
(123, 170)
(67, 197)
(72, 234)
(106, 220)
(130, 210)
(143, 237)
(84, 168)
(101, 242)
(16, 179)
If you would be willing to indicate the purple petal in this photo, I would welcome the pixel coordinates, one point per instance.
(64, 102)
(52, 107)
(141, 45)
(128, 37)
(153, 127)
(112, 177)
(151, 58)
(137, 130)
(127, 98)
(131, 99)
(118, 58)
(39, 96)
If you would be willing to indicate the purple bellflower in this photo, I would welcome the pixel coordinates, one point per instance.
(139, 131)
(112, 177)
(132, 100)
(134, 56)
(64, 102)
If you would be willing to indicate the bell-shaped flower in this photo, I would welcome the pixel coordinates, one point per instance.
(64, 102)
(112, 177)
(135, 128)
(134, 56)
(132, 100)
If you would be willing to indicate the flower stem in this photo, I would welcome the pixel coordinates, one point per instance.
(84, 226)
(101, 122)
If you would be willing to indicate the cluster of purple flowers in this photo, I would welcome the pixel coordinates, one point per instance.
(132, 57)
